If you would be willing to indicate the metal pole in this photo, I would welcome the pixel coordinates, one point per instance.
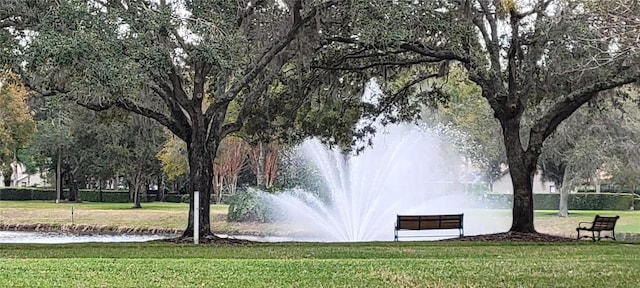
(72, 220)
(196, 217)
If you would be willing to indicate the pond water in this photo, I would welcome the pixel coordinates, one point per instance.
(61, 238)
(24, 237)
(27, 237)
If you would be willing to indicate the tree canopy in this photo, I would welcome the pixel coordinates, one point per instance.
(185, 63)
(181, 63)
(543, 59)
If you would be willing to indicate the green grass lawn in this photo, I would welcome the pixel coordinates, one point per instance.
(95, 205)
(174, 215)
(378, 264)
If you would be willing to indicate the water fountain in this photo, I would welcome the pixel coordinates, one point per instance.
(408, 170)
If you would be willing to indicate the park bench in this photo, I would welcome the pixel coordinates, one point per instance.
(429, 222)
(599, 224)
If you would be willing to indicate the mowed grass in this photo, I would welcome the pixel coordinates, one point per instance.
(378, 264)
(547, 221)
(174, 215)
(151, 215)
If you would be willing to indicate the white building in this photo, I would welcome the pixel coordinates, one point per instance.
(20, 177)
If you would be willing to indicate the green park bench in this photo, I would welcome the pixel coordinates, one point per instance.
(429, 222)
(599, 224)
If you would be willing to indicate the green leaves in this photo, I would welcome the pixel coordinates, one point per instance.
(16, 122)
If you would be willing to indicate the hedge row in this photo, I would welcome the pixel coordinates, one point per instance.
(110, 196)
(117, 196)
(576, 201)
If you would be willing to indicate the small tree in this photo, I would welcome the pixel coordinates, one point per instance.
(16, 123)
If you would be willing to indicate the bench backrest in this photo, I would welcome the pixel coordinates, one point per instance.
(425, 222)
(604, 223)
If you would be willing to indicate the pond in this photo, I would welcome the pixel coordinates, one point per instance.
(28, 237)
(24, 237)
(61, 238)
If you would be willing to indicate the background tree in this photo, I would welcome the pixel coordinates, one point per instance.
(139, 142)
(173, 157)
(233, 156)
(16, 122)
(596, 141)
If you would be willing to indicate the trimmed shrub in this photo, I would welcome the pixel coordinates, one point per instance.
(496, 201)
(176, 198)
(13, 193)
(576, 201)
(250, 205)
(585, 201)
(118, 196)
(549, 201)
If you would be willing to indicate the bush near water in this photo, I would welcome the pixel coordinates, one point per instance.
(250, 205)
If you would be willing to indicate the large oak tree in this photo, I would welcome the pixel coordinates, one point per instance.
(543, 59)
(182, 63)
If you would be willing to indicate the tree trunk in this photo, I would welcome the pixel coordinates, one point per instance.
(160, 191)
(260, 164)
(200, 179)
(73, 184)
(563, 209)
(131, 192)
(136, 188)
(522, 168)
(137, 194)
(7, 173)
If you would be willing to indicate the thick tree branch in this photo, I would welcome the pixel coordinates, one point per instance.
(400, 63)
(178, 91)
(128, 105)
(250, 100)
(414, 47)
(493, 45)
(402, 91)
(561, 110)
(181, 116)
